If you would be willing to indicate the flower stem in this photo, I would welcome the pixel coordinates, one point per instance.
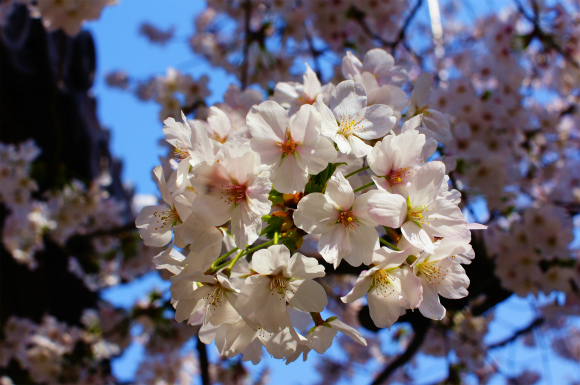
(389, 245)
(357, 171)
(365, 186)
(217, 261)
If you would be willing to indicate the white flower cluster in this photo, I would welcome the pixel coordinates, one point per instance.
(45, 349)
(290, 167)
(74, 210)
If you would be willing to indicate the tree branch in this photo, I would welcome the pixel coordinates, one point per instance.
(535, 323)
(203, 362)
(420, 329)
(359, 17)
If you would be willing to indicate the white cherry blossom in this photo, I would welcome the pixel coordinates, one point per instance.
(347, 231)
(293, 147)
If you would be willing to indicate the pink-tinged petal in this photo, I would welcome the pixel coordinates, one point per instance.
(455, 283)
(307, 295)
(303, 267)
(286, 92)
(378, 62)
(363, 241)
(239, 336)
(476, 226)
(407, 149)
(387, 209)
(312, 86)
(421, 92)
(351, 65)
(328, 124)
(411, 288)
(384, 306)
(377, 122)
(261, 304)
(361, 287)
(349, 331)
(268, 149)
(320, 340)
(417, 237)
(426, 183)
(445, 220)
(358, 147)
(212, 209)
(333, 244)
(219, 122)
(391, 96)
(201, 149)
(412, 124)
(315, 157)
(257, 193)
(304, 124)
(289, 177)
(197, 232)
(268, 120)
(165, 194)
(315, 214)
(431, 306)
(147, 216)
(380, 158)
(388, 259)
(339, 192)
(241, 169)
(270, 261)
(438, 123)
(361, 208)
(176, 133)
(381, 183)
(246, 225)
(157, 239)
(347, 99)
(209, 177)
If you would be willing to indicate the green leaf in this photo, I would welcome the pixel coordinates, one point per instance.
(317, 182)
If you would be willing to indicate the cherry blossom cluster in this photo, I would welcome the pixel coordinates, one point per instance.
(73, 211)
(66, 15)
(292, 174)
(46, 350)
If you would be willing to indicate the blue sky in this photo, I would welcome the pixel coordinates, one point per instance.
(136, 131)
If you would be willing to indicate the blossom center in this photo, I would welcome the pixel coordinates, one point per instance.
(236, 194)
(348, 219)
(419, 215)
(398, 176)
(347, 125)
(432, 272)
(289, 146)
(165, 218)
(181, 152)
(382, 283)
(279, 284)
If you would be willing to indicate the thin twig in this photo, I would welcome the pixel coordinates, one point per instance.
(535, 323)
(203, 362)
(416, 342)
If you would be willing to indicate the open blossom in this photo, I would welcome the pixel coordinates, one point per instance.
(293, 147)
(347, 230)
(155, 223)
(434, 120)
(280, 279)
(390, 287)
(349, 121)
(396, 159)
(233, 188)
(376, 62)
(419, 212)
(441, 274)
(212, 296)
(321, 336)
(191, 142)
(292, 95)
